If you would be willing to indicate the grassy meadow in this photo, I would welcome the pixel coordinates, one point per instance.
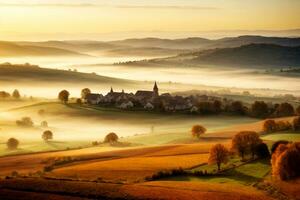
(76, 126)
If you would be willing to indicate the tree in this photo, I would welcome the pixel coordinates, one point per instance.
(63, 96)
(44, 124)
(238, 107)
(47, 135)
(269, 126)
(218, 155)
(12, 144)
(254, 141)
(16, 94)
(111, 138)
(198, 130)
(262, 151)
(298, 110)
(244, 142)
(296, 124)
(260, 109)
(276, 144)
(286, 161)
(85, 92)
(25, 121)
(284, 109)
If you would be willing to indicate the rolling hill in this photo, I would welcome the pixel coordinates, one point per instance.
(10, 49)
(252, 55)
(32, 73)
(146, 46)
(202, 43)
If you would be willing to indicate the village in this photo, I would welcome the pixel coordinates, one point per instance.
(152, 100)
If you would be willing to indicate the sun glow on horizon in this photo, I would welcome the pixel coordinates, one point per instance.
(36, 19)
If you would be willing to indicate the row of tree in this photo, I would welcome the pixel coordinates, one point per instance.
(271, 126)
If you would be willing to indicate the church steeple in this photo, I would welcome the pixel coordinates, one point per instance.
(155, 90)
(111, 90)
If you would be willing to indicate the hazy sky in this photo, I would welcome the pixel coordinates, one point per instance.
(41, 18)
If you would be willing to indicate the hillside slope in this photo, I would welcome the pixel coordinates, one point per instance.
(9, 49)
(252, 55)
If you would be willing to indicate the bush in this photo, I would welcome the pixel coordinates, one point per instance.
(12, 144)
(111, 138)
(25, 121)
(44, 124)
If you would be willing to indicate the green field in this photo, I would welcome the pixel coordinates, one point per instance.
(245, 174)
(283, 136)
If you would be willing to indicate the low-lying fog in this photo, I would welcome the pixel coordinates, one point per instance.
(206, 75)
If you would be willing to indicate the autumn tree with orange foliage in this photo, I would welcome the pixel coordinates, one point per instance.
(198, 130)
(296, 124)
(218, 155)
(286, 161)
(245, 142)
(269, 126)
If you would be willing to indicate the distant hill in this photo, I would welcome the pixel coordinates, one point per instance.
(144, 51)
(142, 46)
(187, 43)
(34, 74)
(79, 46)
(201, 43)
(254, 55)
(10, 49)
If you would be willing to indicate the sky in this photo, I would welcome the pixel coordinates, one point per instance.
(86, 19)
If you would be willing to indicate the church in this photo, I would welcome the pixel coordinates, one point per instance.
(143, 94)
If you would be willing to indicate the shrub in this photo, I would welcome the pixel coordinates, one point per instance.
(111, 138)
(198, 130)
(78, 101)
(12, 144)
(44, 124)
(41, 112)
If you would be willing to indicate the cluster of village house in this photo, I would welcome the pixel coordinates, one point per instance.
(147, 100)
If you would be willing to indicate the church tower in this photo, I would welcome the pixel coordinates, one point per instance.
(155, 90)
